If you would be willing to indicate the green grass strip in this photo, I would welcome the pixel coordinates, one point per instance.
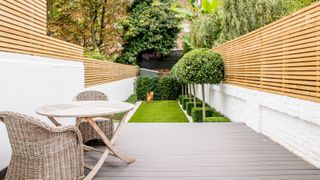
(159, 112)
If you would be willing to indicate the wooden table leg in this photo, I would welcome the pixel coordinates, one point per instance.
(96, 167)
(108, 143)
(121, 122)
(78, 122)
(54, 121)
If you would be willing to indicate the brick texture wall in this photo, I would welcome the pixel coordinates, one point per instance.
(292, 122)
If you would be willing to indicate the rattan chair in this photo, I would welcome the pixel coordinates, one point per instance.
(42, 152)
(105, 124)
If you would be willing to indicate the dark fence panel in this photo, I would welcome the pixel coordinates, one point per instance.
(152, 60)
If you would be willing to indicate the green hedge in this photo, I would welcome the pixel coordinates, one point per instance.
(145, 84)
(190, 106)
(185, 100)
(180, 98)
(196, 113)
(164, 88)
(217, 114)
(169, 88)
(216, 119)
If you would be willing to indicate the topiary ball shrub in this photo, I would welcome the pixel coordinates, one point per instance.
(190, 106)
(216, 119)
(196, 113)
(200, 66)
(185, 100)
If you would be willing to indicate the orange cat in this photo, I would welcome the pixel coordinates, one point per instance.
(150, 97)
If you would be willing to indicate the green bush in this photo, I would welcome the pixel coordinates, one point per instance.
(216, 119)
(164, 88)
(217, 114)
(144, 85)
(190, 106)
(196, 113)
(132, 99)
(168, 88)
(149, 25)
(205, 30)
(180, 98)
(199, 66)
(185, 100)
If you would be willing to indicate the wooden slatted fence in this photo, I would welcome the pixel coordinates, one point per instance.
(23, 30)
(281, 58)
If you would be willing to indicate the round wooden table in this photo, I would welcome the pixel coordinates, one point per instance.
(88, 110)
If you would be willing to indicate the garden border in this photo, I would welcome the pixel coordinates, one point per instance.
(185, 113)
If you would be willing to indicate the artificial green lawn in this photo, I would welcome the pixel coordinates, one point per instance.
(159, 112)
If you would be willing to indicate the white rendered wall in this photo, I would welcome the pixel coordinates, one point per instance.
(117, 90)
(293, 123)
(28, 82)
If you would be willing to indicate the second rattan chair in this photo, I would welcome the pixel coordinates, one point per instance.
(105, 124)
(42, 152)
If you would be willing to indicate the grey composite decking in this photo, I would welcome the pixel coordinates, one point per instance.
(201, 152)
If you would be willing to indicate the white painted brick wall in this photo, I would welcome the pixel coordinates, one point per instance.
(293, 123)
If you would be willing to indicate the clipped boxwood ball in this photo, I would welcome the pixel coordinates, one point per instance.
(200, 66)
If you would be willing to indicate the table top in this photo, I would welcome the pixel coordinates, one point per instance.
(84, 108)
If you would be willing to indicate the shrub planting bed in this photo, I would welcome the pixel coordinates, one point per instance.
(164, 88)
(216, 119)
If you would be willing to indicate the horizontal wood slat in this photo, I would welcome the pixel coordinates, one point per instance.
(99, 72)
(23, 30)
(280, 58)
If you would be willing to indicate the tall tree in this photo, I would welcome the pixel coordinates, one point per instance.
(92, 24)
(151, 25)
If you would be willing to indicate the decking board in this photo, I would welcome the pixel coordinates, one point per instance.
(228, 151)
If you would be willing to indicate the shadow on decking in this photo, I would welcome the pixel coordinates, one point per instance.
(201, 152)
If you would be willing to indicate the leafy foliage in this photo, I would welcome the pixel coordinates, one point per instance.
(168, 88)
(200, 66)
(294, 5)
(190, 106)
(196, 113)
(216, 119)
(92, 24)
(150, 25)
(180, 98)
(164, 88)
(185, 100)
(186, 42)
(191, 8)
(240, 17)
(145, 84)
(243, 16)
(205, 30)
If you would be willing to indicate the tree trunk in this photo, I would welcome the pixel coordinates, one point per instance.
(102, 25)
(93, 29)
(194, 95)
(203, 103)
(186, 90)
(190, 92)
(182, 89)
